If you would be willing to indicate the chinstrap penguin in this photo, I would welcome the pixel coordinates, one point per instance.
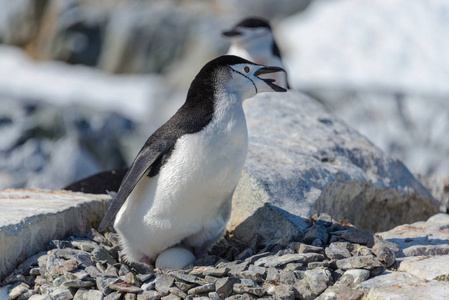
(253, 40)
(178, 190)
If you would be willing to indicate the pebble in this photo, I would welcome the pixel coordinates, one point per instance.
(87, 266)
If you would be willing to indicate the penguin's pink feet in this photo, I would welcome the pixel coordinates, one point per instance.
(147, 261)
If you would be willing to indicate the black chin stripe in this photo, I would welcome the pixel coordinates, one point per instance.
(246, 77)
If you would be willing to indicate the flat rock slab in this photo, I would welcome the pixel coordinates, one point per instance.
(30, 219)
(421, 238)
(425, 267)
(302, 160)
(399, 285)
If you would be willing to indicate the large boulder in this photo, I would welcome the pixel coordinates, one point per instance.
(391, 87)
(303, 160)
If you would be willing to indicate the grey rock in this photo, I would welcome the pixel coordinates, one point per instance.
(177, 292)
(144, 277)
(149, 295)
(255, 257)
(93, 271)
(149, 284)
(318, 264)
(236, 268)
(97, 237)
(256, 291)
(358, 250)
(104, 282)
(214, 296)
(40, 297)
(131, 279)
(272, 274)
(35, 271)
(219, 272)
(331, 179)
(58, 281)
(187, 277)
(77, 283)
(60, 244)
(79, 274)
(244, 255)
(425, 267)
(324, 220)
(111, 270)
(171, 297)
(287, 277)
(130, 296)
(113, 238)
(61, 294)
(18, 290)
(142, 268)
(185, 287)
(289, 258)
(163, 283)
(421, 238)
(358, 262)
(401, 285)
(338, 250)
(355, 235)
(316, 232)
(125, 287)
(280, 291)
(206, 288)
(84, 245)
(354, 277)
(15, 276)
(83, 294)
(124, 269)
(305, 248)
(100, 253)
(384, 254)
(438, 185)
(224, 287)
(70, 265)
(84, 258)
(31, 261)
(318, 280)
(302, 290)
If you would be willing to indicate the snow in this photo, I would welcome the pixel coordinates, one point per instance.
(55, 82)
(365, 44)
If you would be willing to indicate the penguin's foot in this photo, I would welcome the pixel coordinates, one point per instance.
(147, 261)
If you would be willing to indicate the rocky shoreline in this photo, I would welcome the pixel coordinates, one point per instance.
(331, 257)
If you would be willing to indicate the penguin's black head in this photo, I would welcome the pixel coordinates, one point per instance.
(235, 75)
(250, 25)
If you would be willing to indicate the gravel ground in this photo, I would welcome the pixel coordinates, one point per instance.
(328, 260)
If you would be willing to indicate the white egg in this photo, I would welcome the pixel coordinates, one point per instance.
(175, 258)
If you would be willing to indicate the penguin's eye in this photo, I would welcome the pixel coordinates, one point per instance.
(246, 69)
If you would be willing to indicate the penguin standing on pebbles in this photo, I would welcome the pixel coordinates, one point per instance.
(253, 40)
(178, 190)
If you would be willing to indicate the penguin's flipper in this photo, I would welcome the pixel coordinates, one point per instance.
(141, 165)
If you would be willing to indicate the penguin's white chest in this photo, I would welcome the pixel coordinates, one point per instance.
(192, 192)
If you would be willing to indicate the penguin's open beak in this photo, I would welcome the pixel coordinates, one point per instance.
(269, 81)
(232, 32)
